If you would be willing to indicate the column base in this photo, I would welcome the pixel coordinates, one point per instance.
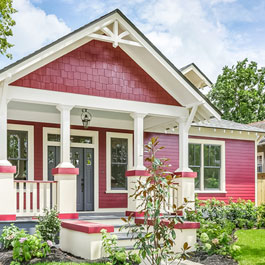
(140, 173)
(186, 174)
(63, 216)
(8, 217)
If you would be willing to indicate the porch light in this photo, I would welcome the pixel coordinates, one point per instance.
(86, 117)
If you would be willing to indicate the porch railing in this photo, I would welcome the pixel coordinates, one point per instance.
(34, 196)
(171, 199)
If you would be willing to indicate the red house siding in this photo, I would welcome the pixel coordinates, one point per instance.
(98, 69)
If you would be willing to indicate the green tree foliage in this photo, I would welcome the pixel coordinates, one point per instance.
(6, 24)
(239, 92)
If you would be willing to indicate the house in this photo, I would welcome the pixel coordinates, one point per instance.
(74, 117)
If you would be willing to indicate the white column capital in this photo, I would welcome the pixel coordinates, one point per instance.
(62, 107)
(136, 115)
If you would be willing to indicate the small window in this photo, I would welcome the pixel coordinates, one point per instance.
(260, 162)
(119, 163)
(54, 137)
(73, 139)
(17, 152)
(81, 139)
(195, 162)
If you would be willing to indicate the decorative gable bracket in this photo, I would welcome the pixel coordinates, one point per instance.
(115, 35)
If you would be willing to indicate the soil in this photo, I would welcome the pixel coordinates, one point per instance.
(55, 255)
(204, 258)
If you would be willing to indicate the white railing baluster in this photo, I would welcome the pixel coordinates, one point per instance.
(48, 195)
(28, 189)
(54, 194)
(34, 199)
(41, 197)
(21, 197)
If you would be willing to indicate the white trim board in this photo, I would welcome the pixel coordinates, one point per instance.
(110, 135)
(94, 145)
(30, 130)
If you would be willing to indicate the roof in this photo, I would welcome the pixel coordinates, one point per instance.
(138, 31)
(229, 125)
(259, 124)
(198, 69)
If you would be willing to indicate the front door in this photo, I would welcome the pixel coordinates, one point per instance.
(82, 158)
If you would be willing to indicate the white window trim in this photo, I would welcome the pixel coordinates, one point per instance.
(94, 145)
(110, 135)
(30, 130)
(222, 173)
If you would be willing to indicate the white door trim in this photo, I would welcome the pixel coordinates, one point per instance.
(94, 145)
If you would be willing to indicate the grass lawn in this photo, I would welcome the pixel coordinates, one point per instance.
(252, 243)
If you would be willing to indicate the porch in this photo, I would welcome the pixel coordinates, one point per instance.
(60, 136)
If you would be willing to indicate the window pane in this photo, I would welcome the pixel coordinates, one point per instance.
(22, 168)
(194, 154)
(212, 155)
(17, 144)
(81, 139)
(211, 178)
(119, 163)
(118, 179)
(198, 179)
(54, 137)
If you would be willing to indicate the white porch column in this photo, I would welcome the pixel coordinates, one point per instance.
(138, 141)
(183, 146)
(65, 136)
(65, 173)
(7, 189)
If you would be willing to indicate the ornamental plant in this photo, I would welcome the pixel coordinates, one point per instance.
(49, 225)
(8, 235)
(26, 247)
(156, 236)
(117, 255)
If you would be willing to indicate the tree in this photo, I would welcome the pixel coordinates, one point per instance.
(6, 24)
(239, 92)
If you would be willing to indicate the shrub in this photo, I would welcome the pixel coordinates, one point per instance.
(156, 236)
(261, 216)
(8, 235)
(49, 225)
(117, 255)
(26, 247)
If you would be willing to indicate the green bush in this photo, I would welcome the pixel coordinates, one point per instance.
(49, 225)
(26, 247)
(117, 255)
(8, 235)
(261, 216)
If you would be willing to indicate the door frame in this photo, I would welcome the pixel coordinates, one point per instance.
(94, 145)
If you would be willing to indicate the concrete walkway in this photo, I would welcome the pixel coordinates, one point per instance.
(184, 262)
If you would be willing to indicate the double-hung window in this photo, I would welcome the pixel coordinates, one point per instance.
(207, 158)
(119, 160)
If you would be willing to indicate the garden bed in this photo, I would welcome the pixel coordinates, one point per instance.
(204, 258)
(56, 255)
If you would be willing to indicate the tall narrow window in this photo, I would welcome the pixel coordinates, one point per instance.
(119, 163)
(17, 152)
(195, 162)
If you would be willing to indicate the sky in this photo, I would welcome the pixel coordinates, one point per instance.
(210, 33)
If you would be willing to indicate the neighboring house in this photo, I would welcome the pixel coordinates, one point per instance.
(110, 70)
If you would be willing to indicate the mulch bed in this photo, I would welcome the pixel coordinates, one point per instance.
(55, 255)
(204, 258)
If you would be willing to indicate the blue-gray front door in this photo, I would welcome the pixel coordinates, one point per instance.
(82, 158)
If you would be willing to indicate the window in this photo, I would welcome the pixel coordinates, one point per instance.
(119, 160)
(73, 138)
(119, 163)
(17, 152)
(206, 157)
(260, 162)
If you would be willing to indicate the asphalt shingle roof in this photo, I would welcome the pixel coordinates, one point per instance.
(229, 125)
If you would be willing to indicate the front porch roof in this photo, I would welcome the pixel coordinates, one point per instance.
(132, 42)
